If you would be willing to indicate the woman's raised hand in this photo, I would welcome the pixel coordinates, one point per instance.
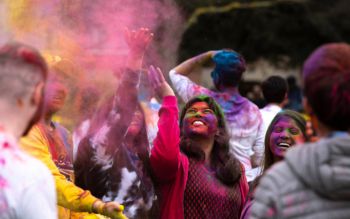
(158, 82)
(138, 40)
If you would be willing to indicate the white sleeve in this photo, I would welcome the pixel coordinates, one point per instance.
(39, 198)
(259, 145)
(185, 87)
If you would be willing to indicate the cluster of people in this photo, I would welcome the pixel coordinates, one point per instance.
(220, 157)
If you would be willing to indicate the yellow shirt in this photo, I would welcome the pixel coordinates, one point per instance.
(69, 196)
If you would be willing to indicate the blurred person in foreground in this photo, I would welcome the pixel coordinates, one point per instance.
(27, 188)
(314, 180)
(243, 118)
(51, 143)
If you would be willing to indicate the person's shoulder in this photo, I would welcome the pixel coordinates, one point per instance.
(31, 165)
(35, 130)
(264, 112)
(26, 170)
(35, 133)
(61, 128)
(279, 174)
(253, 110)
(250, 105)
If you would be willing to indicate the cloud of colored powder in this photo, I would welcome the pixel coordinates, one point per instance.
(83, 39)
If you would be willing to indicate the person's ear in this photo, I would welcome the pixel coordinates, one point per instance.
(38, 93)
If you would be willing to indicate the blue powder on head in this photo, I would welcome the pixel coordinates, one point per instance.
(229, 67)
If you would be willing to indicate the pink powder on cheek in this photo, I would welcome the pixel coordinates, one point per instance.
(212, 123)
(186, 126)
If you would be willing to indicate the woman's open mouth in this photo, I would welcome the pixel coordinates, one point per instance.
(198, 123)
(284, 145)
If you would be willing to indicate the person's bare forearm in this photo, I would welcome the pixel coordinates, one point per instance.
(188, 66)
(137, 42)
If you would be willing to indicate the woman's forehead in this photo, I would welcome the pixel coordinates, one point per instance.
(286, 120)
(199, 104)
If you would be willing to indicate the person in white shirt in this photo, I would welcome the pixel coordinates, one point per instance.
(243, 117)
(27, 188)
(275, 91)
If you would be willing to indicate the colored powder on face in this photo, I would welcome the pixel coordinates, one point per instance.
(217, 110)
(200, 111)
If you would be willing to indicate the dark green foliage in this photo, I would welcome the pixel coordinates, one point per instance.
(284, 33)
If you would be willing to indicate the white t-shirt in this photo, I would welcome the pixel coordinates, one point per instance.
(268, 113)
(27, 188)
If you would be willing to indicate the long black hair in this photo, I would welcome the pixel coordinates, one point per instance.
(227, 167)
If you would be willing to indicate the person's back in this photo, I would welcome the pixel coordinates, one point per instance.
(26, 185)
(275, 94)
(243, 117)
(314, 180)
(244, 124)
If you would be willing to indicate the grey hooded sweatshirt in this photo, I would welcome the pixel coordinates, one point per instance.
(312, 182)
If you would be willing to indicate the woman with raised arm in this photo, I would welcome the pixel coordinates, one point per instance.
(113, 159)
(191, 163)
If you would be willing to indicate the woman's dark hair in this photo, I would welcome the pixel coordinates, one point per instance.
(298, 119)
(227, 167)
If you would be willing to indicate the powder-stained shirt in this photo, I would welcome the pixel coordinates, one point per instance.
(27, 188)
(243, 120)
(206, 197)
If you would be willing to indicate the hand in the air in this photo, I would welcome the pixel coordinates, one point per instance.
(138, 40)
(158, 82)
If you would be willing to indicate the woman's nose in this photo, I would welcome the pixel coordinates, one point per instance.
(284, 134)
(198, 115)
